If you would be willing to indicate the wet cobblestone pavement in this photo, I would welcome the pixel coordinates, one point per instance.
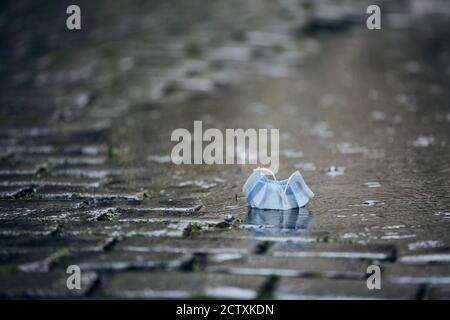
(85, 171)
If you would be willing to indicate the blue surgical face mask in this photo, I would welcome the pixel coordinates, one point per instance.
(264, 193)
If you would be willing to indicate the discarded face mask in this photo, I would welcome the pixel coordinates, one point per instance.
(264, 193)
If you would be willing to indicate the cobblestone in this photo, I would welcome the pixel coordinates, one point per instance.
(193, 245)
(42, 285)
(438, 293)
(340, 251)
(291, 267)
(183, 285)
(119, 261)
(342, 289)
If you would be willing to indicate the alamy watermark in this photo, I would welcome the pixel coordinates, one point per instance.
(373, 22)
(374, 280)
(73, 21)
(236, 146)
(74, 280)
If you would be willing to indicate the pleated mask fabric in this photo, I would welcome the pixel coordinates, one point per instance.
(264, 193)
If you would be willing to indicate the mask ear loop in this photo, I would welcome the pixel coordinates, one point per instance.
(267, 171)
(275, 178)
(287, 184)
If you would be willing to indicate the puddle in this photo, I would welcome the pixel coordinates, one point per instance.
(425, 244)
(321, 130)
(423, 141)
(369, 203)
(159, 158)
(259, 108)
(334, 171)
(422, 280)
(372, 184)
(307, 166)
(197, 183)
(378, 115)
(292, 154)
(426, 259)
(284, 225)
(348, 148)
(231, 293)
(396, 236)
(394, 226)
(445, 215)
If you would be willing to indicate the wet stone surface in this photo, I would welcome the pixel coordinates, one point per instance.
(86, 176)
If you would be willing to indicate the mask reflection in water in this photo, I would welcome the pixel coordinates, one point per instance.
(276, 222)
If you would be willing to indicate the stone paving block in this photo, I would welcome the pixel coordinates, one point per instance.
(26, 228)
(121, 260)
(180, 205)
(35, 205)
(44, 180)
(185, 245)
(61, 160)
(155, 229)
(48, 149)
(61, 217)
(98, 172)
(288, 266)
(33, 212)
(56, 243)
(77, 193)
(439, 292)
(88, 149)
(13, 261)
(149, 215)
(42, 285)
(299, 289)
(339, 251)
(278, 240)
(56, 210)
(9, 192)
(420, 246)
(88, 229)
(11, 213)
(8, 170)
(174, 285)
(45, 264)
(426, 258)
(417, 274)
(107, 224)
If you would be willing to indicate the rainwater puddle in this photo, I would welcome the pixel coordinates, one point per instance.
(334, 171)
(369, 203)
(372, 184)
(425, 244)
(284, 227)
(307, 166)
(423, 141)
